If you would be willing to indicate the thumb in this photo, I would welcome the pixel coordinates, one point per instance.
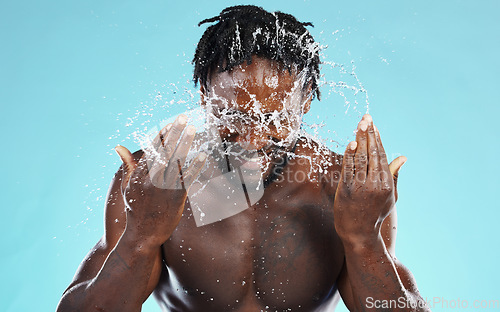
(396, 164)
(394, 167)
(128, 162)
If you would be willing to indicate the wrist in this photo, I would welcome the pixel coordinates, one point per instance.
(363, 244)
(139, 242)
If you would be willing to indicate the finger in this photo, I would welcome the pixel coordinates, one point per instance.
(381, 170)
(176, 162)
(348, 162)
(129, 164)
(152, 151)
(166, 143)
(383, 160)
(184, 145)
(374, 167)
(360, 159)
(173, 136)
(194, 170)
(161, 136)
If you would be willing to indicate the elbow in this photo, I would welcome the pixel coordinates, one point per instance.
(81, 298)
(73, 299)
(66, 304)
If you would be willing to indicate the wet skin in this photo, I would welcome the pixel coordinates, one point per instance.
(281, 253)
(291, 250)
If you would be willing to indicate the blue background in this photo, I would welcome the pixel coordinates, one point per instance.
(73, 74)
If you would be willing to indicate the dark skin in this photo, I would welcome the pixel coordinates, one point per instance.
(303, 240)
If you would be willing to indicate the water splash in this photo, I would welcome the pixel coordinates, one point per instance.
(222, 176)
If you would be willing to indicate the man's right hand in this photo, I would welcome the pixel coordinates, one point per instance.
(154, 189)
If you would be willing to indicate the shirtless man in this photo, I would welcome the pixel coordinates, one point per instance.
(299, 245)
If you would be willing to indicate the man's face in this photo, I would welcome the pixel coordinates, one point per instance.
(257, 106)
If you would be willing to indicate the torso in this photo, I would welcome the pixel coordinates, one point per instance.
(281, 254)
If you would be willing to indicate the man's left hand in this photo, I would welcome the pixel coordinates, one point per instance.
(367, 189)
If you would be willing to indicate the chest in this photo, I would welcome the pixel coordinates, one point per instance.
(282, 251)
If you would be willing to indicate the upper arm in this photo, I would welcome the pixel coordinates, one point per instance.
(114, 225)
(114, 210)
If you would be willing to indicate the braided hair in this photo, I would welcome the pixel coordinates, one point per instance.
(246, 30)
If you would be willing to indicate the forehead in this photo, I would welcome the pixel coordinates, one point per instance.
(262, 72)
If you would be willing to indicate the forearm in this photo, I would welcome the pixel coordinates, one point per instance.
(120, 285)
(375, 280)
